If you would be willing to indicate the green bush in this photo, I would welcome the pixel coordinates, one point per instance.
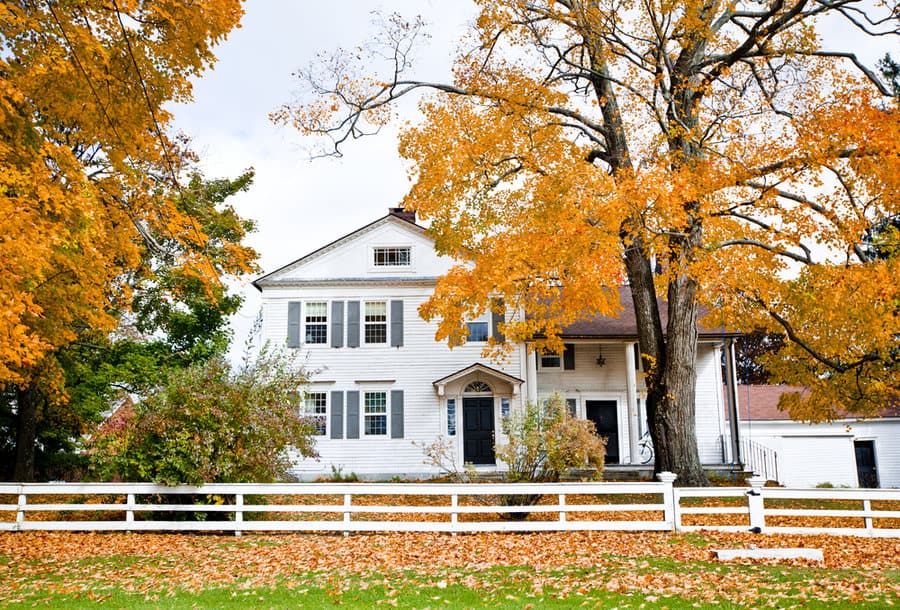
(208, 424)
(545, 442)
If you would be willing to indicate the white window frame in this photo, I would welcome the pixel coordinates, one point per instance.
(485, 319)
(373, 268)
(387, 323)
(363, 413)
(326, 322)
(312, 414)
(543, 367)
(452, 416)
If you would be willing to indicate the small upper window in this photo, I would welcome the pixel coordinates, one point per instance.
(393, 257)
(477, 386)
(551, 361)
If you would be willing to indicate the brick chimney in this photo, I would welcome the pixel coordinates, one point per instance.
(407, 215)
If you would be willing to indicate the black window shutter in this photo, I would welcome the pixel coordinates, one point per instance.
(569, 357)
(337, 415)
(352, 323)
(353, 414)
(337, 324)
(497, 318)
(396, 323)
(396, 413)
(293, 338)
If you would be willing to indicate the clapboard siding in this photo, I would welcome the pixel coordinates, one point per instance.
(809, 455)
(412, 367)
(708, 401)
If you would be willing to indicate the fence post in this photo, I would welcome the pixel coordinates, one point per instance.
(755, 504)
(562, 506)
(454, 516)
(347, 514)
(669, 504)
(867, 507)
(238, 511)
(20, 510)
(129, 512)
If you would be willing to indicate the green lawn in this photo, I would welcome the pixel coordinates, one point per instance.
(434, 571)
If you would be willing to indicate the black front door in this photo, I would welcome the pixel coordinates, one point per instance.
(478, 430)
(604, 414)
(865, 463)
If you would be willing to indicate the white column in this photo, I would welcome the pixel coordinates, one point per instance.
(634, 425)
(531, 377)
(732, 397)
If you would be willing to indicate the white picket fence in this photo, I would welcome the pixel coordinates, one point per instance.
(442, 507)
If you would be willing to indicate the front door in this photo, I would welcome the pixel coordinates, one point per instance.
(865, 463)
(478, 430)
(604, 414)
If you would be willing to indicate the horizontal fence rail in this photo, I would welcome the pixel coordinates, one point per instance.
(777, 510)
(447, 507)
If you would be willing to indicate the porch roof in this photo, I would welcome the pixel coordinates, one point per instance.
(624, 326)
(480, 368)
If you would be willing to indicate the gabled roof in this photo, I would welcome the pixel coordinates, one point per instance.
(478, 368)
(760, 403)
(624, 326)
(396, 215)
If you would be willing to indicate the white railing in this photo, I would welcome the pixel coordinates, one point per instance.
(778, 510)
(338, 507)
(759, 459)
(447, 507)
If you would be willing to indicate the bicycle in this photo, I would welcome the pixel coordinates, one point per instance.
(645, 448)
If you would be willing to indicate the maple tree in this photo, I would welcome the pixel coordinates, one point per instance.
(89, 174)
(583, 143)
(173, 321)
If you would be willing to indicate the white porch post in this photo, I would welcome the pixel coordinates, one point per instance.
(732, 398)
(531, 376)
(634, 422)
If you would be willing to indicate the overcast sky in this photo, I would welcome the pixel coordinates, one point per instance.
(300, 205)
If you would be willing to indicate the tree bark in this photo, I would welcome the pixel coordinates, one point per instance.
(669, 363)
(26, 433)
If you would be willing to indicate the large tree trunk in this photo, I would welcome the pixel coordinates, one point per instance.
(669, 363)
(26, 433)
(674, 428)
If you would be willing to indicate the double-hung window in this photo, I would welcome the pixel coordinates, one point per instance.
(478, 330)
(375, 414)
(316, 408)
(376, 322)
(316, 322)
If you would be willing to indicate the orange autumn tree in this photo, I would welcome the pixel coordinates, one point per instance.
(88, 172)
(582, 144)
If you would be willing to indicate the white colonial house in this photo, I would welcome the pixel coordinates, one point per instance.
(382, 387)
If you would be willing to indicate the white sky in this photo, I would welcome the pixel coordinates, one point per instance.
(301, 205)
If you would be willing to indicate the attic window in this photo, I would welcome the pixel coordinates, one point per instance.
(393, 257)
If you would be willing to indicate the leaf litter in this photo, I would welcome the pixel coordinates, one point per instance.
(560, 564)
